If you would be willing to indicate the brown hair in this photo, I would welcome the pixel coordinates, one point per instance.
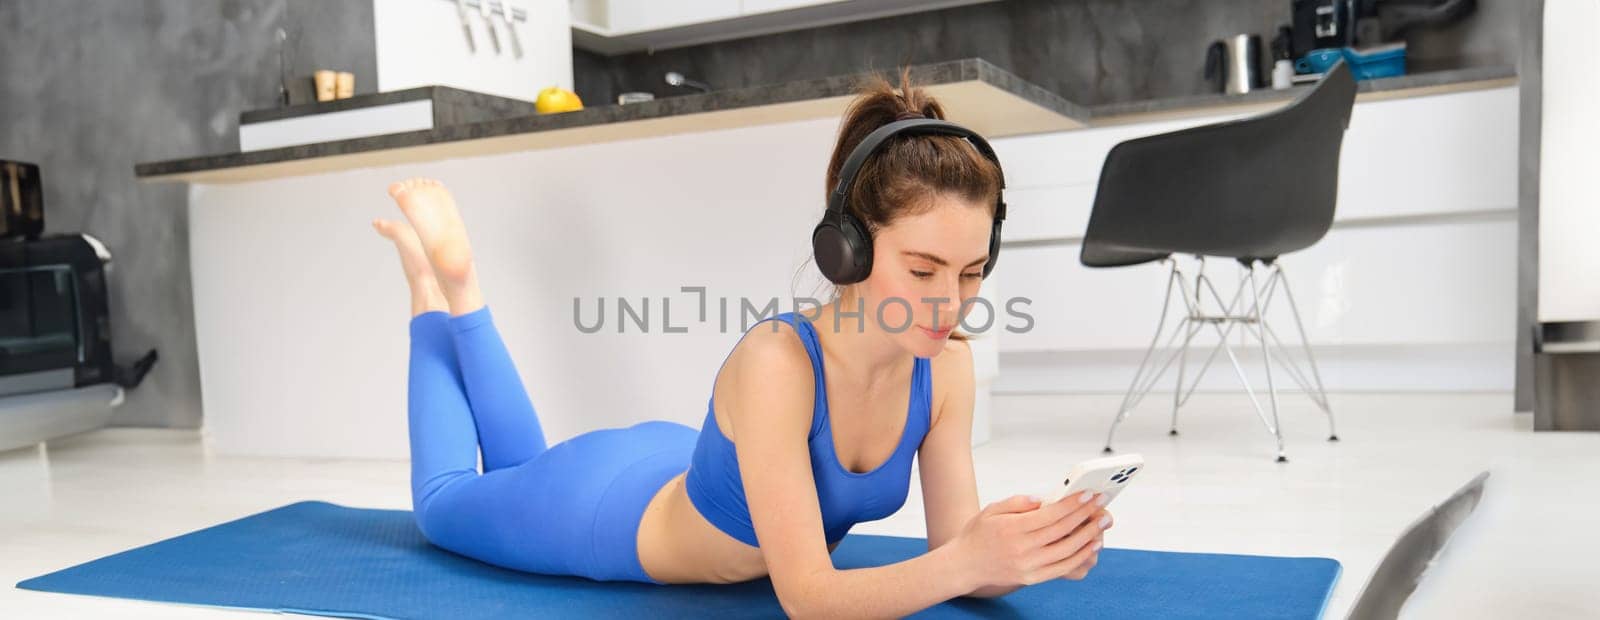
(904, 174)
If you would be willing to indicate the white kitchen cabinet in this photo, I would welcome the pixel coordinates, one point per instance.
(643, 15)
(590, 15)
(446, 57)
(622, 26)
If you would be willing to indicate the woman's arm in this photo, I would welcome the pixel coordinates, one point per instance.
(770, 410)
(949, 487)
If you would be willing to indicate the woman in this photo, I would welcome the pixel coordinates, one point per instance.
(659, 502)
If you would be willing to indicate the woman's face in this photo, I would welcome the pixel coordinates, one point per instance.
(923, 267)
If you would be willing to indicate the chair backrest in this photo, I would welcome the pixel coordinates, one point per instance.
(1249, 189)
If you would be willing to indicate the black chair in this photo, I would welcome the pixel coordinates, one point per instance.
(1250, 190)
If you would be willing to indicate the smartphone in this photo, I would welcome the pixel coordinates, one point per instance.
(1108, 475)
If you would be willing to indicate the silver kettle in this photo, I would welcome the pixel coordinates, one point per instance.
(1233, 65)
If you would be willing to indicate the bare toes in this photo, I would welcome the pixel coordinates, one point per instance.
(399, 232)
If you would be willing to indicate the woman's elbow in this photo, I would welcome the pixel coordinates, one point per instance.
(792, 607)
(799, 594)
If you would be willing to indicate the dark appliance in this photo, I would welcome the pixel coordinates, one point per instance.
(55, 325)
(1322, 24)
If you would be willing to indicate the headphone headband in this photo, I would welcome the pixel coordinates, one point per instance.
(915, 126)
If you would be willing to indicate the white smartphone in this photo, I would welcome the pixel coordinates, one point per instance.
(1108, 475)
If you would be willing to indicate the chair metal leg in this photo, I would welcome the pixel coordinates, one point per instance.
(1179, 396)
(1238, 370)
(1322, 393)
(1312, 384)
(1263, 329)
(1151, 378)
(1257, 327)
(1227, 311)
(1279, 351)
(1266, 363)
(1177, 389)
(1129, 399)
(1244, 380)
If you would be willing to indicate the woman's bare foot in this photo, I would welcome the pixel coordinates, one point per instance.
(432, 212)
(425, 293)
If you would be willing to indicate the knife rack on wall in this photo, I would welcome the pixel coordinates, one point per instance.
(488, 9)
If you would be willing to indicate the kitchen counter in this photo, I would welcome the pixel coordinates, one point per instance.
(979, 94)
(1412, 85)
(982, 96)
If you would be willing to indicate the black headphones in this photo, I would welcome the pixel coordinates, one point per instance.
(842, 245)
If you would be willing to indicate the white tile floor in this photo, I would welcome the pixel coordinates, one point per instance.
(1528, 551)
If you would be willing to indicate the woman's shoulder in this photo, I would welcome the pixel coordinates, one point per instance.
(768, 374)
(774, 345)
(951, 371)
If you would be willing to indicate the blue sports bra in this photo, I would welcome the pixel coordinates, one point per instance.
(846, 497)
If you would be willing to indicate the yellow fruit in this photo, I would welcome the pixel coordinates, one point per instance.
(555, 99)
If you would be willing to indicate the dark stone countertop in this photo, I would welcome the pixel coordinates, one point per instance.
(1111, 112)
(966, 70)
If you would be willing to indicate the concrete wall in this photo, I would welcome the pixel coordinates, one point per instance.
(91, 88)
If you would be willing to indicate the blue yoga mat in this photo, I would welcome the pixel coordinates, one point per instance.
(322, 559)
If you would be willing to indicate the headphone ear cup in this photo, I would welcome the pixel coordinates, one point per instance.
(994, 248)
(842, 249)
(860, 242)
(826, 247)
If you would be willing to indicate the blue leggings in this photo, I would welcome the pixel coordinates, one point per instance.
(569, 509)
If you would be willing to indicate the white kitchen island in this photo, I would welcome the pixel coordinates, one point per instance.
(302, 310)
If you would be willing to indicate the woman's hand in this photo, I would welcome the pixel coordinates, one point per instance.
(1017, 542)
(1103, 516)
